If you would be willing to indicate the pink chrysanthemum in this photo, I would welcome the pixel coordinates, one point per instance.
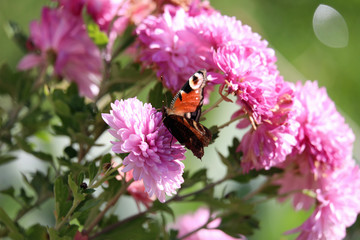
(220, 30)
(62, 40)
(323, 133)
(250, 75)
(153, 156)
(188, 223)
(273, 139)
(169, 48)
(296, 178)
(338, 204)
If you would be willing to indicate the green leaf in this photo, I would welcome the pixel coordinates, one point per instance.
(89, 204)
(61, 196)
(131, 229)
(54, 235)
(14, 231)
(237, 218)
(215, 133)
(74, 188)
(235, 224)
(6, 159)
(158, 206)
(156, 96)
(37, 232)
(9, 191)
(80, 178)
(92, 171)
(62, 108)
(100, 38)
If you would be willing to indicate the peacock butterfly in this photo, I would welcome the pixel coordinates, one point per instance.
(182, 117)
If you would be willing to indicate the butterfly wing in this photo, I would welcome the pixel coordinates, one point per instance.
(188, 132)
(189, 100)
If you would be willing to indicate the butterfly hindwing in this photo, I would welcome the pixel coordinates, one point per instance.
(189, 132)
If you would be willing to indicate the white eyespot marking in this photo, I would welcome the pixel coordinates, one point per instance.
(196, 80)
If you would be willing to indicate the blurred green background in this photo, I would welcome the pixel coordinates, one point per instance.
(288, 26)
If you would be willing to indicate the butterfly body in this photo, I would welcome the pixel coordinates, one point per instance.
(182, 117)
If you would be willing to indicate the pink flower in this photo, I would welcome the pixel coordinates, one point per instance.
(274, 136)
(189, 223)
(136, 189)
(109, 13)
(62, 40)
(73, 6)
(321, 163)
(153, 155)
(297, 177)
(323, 133)
(173, 51)
(220, 30)
(338, 204)
(250, 75)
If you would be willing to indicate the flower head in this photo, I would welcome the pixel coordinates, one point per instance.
(250, 76)
(323, 133)
(62, 40)
(273, 139)
(338, 204)
(153, 157)
(190, 222)
(167, 46)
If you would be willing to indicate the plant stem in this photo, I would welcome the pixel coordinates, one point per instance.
(216, 104)
(231, 121)
(66, 218)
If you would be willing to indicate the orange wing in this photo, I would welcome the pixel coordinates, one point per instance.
(190, 98)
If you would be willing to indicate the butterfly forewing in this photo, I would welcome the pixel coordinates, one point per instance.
(182, 117)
